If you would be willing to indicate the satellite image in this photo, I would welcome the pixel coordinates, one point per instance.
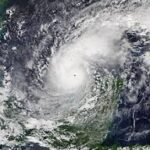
(74, 74)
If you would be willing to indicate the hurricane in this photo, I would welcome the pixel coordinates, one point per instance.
(74, 75)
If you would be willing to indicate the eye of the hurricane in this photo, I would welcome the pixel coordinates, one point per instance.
(72, 78)
(68, 73)
(69, 77)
